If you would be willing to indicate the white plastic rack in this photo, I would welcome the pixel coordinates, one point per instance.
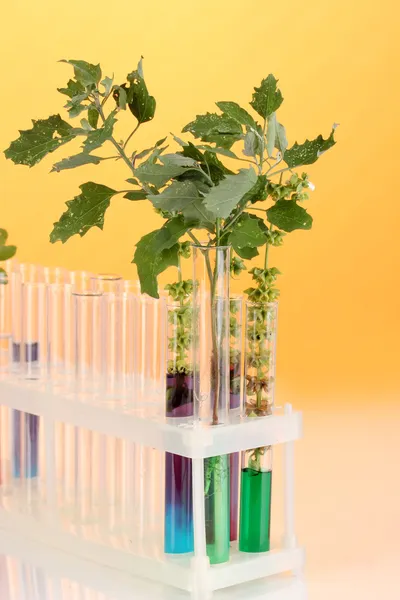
(191, 573)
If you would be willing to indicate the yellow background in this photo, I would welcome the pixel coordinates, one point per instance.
(337, 61)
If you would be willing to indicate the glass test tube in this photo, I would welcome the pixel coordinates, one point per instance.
(235, 400)
(178, 520)
(211, 276)
(256, 475)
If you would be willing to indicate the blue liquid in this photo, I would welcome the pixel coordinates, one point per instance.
(178, 533)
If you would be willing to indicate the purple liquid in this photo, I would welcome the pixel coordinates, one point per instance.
(178, 534)
(26, 454)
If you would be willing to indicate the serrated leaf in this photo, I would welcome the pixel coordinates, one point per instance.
(309, 152)
(248, 233)
(234, 111)
(76, 161)
(219, 129)
(85, 73)
(153, 253)
(93, 117)
(267, 98)
(136, 195)
(223, 198)
(141, 104)
(288, 216)
(271, 134)
(96, 138)
(74, 88)
(158, 175)
(34, 144)
(175, 197)
(281, 142)
(75, 106)
(85, 211)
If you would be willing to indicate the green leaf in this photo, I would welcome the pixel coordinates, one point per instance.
(257, 193)
(75, 106)
(271, 134)
(84, 211)
(107, 83)
(34, 144)
(248, 253)
(281, 142)
(136, 195)
(154, 253)
(234, 111)
(122, 97)
(248, 232)
(85, 73)
(179, 160)
(141, 104)
(309, 152)
(267, 98)
(219, 129)
(3, 237)
(222, 151)
(6, 252)
(251, 144)
(224, 198)
(74, 88)
(132, 181)
(93, 117)
(76, 161)
(288, 216)
(198, 216)
(97, 137)
(175, 197)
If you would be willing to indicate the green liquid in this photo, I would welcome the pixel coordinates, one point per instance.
(255, 511)
(217, 508)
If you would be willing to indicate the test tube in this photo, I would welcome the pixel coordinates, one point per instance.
(87, 340)
(5, 322)
(81, 281)
(33, 347)
(55, 275)
(60, 343)
(108, 283)
(118, 343)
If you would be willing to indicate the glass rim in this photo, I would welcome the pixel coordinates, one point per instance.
(204, 246)
(107, 277)
(273, 304)
(87, 293)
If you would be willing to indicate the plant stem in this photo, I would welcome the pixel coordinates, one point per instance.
(130, 135)
(266, 256)
(277, 172)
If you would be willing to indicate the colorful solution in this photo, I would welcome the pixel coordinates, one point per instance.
(217, 508)
(178, 524)
(255, 511)
(25, 458)
(234, 403)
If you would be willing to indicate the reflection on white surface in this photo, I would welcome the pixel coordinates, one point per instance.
(34, 572)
